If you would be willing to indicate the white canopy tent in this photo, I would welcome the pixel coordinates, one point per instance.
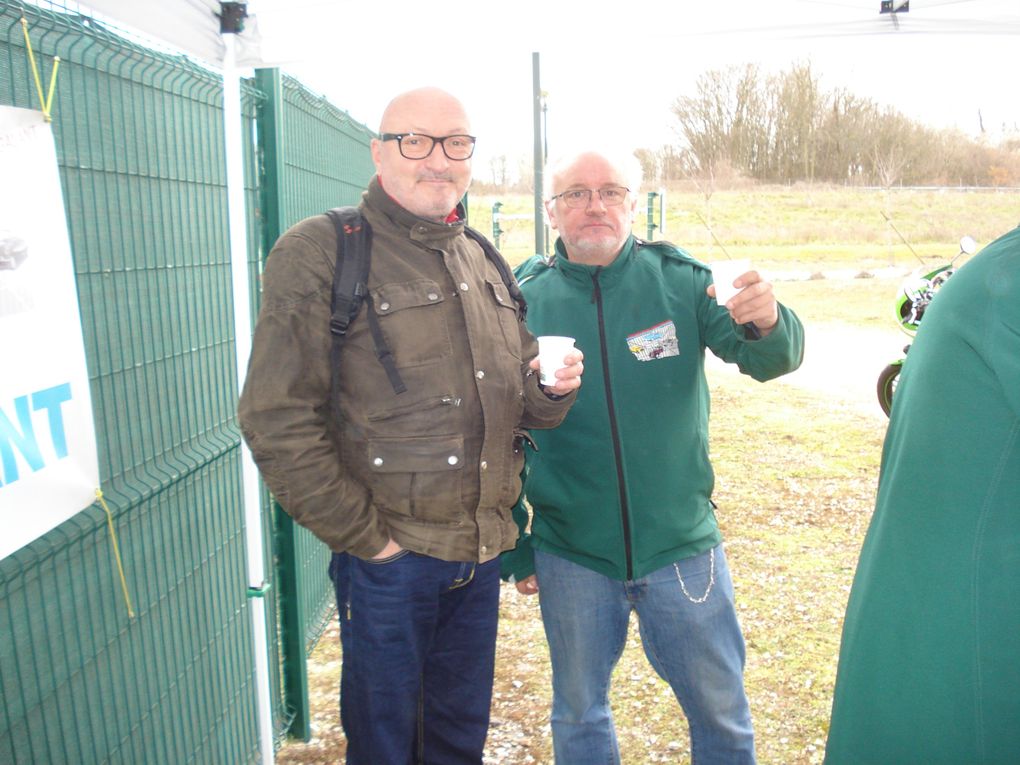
(191, 26)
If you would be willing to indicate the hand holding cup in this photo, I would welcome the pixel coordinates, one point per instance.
(724, 273)
(559, 364)
(752, 302)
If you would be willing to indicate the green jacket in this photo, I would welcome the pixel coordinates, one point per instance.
(437, 468)
(624, 485)
(929, 666)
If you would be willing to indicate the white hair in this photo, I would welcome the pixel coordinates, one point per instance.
(624, 162)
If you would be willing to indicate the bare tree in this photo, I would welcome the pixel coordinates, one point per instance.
(750, 133)
(843, 145)
(895, 143)
(799, 104)
(651, 169)
(785, 128)
(500, 169)
(705, 119)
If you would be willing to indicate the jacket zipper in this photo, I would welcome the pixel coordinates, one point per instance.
(445, 400)
(614, 429)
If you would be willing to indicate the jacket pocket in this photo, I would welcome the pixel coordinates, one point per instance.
(413, 321)
(419, 477)
(506, 313)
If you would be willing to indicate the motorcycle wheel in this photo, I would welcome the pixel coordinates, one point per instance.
(887, 386)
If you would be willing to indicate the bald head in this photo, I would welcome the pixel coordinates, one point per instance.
(422, 103)
(432, 186)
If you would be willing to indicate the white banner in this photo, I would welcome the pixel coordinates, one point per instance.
(48, 464)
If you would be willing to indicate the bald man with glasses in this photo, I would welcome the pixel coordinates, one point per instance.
(411, 485)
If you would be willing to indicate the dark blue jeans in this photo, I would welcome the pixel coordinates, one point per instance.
(419, 644)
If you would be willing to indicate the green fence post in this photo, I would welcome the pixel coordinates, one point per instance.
(270, 132)
(651, 215)
(496, 230)
(292, 654)
(662, 212)
(536, 91)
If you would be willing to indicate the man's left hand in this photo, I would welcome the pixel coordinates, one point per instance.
(754, 304)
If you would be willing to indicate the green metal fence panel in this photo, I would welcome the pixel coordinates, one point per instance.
(140, 146)
(315, 157)
(327, 162)
(326, 155)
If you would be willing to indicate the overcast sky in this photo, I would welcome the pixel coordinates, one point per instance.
(612, 70)
(615, 68)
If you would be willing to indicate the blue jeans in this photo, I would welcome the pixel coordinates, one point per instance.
(690, 634)
(418, 637)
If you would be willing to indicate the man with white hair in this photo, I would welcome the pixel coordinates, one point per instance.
(621, 491)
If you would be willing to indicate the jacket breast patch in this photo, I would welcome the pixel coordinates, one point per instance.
(656, 342)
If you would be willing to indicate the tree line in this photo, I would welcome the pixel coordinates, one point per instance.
(782, 128)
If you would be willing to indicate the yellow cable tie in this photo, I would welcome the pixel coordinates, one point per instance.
(53, 86)
(44, 103)
(116, 553)
(31, 60)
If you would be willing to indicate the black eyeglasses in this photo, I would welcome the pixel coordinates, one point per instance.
(581, 198)
(419, 146)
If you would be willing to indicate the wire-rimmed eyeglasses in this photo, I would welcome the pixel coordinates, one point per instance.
(581, 198)
(419, 145)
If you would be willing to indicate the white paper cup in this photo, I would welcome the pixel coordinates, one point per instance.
(724, 273)
(552, 350)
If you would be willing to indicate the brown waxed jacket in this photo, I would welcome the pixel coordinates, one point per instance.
(436, 467)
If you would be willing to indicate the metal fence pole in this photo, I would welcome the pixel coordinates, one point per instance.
(539, 155)
(651, 215)
(291, 617)
(241, 293)
(496, 230)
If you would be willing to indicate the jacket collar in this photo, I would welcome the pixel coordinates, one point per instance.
(581, 272)
(418, 229)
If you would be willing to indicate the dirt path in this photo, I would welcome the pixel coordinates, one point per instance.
(841, 360)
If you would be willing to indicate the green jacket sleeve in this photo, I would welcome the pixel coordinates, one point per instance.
(763, 358)
(519, 563)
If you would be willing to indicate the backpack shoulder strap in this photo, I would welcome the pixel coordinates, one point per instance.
(350, 276)
(504, 270)
(350, 288)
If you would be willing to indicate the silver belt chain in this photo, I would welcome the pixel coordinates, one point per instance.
(711, 579)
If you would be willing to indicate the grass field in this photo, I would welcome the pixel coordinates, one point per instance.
(798, 227)
(796, 472)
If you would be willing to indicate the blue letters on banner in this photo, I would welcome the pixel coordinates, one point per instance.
(23, 436)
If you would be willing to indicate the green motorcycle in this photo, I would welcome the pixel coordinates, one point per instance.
(912, 300)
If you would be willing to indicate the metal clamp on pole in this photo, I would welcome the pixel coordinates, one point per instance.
(259, 592)
(232, 16)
